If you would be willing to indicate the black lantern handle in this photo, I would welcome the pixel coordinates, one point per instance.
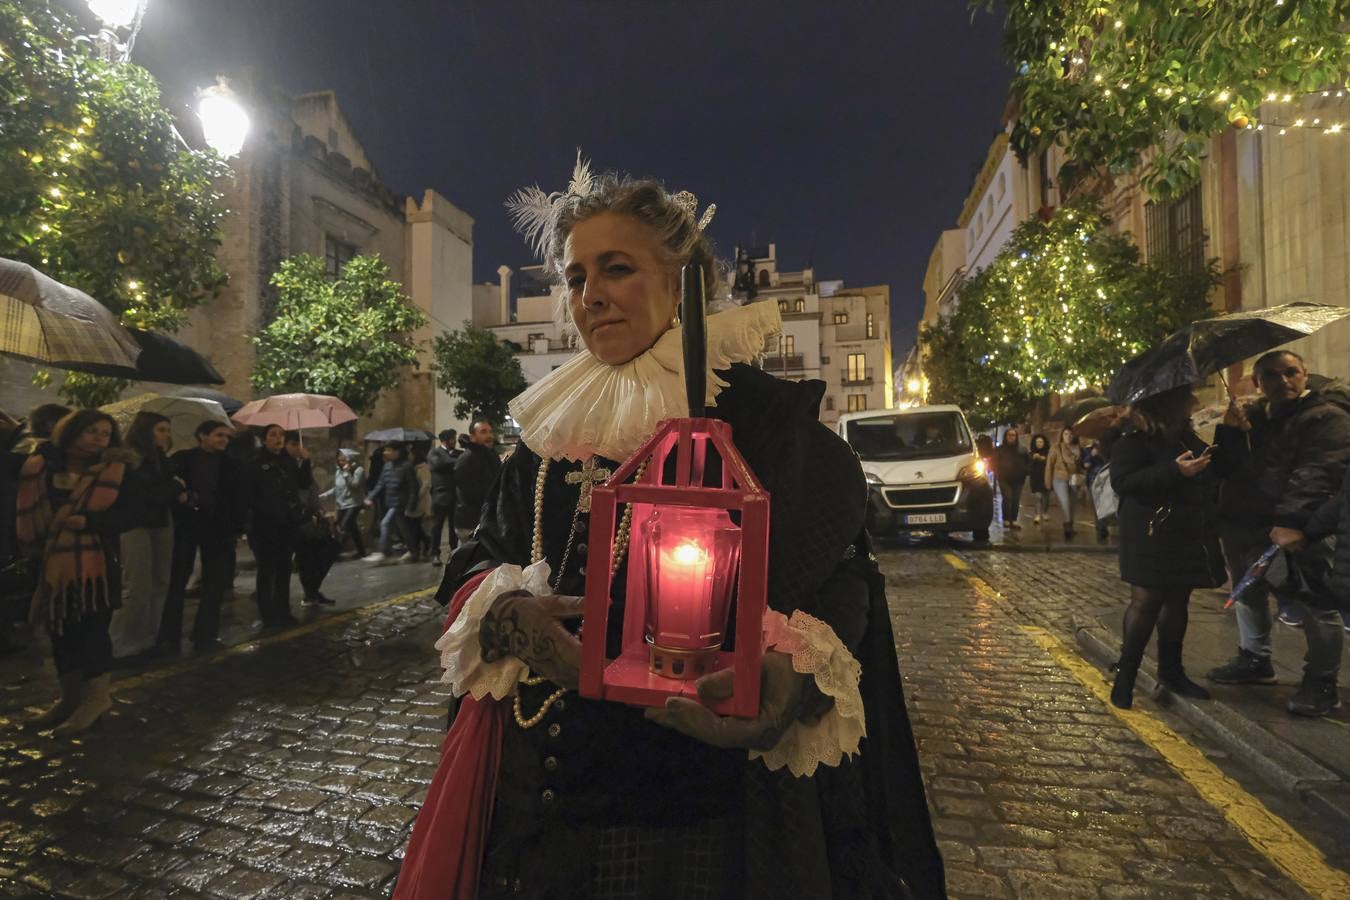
(693, 316)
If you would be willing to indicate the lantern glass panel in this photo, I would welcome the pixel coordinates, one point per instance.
(692, 559)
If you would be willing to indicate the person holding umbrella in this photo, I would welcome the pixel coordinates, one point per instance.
(396, 493)
(1168, 536)
(1282, 459)
(274, 481)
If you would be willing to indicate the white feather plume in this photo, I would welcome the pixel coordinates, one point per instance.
(532, 215)
(583, 182)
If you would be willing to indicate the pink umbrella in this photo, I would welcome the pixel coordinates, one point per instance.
(295, 411)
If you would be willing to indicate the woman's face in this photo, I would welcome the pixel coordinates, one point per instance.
(163, 433)
(342, 461)
(1010, 436)
(274, 439)
(94, 439)
(1066, 436)
(621, 296)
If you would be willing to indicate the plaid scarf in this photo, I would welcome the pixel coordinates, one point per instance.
(74, 574)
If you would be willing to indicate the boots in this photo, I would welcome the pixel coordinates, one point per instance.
(1172, 676)
(1122, 689)
(96, 702)
(72, 687)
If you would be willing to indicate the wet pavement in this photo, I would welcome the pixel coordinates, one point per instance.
(292, 765)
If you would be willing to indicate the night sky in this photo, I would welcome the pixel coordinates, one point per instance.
(847, 132)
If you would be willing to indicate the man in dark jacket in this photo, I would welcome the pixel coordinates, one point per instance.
(441, 462)
(1010, 466)
(208, 519)
(395, 492)
(1282, 459)
(475, 472)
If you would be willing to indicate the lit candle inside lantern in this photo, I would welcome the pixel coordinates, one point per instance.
(692, 556)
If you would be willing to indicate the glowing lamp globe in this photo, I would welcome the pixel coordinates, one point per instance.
(225, 124)
(698, 552)
(115, 13)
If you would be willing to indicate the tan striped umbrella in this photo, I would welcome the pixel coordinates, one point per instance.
(44, 321)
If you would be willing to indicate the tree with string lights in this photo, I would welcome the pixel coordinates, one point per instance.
(1140, 86)
(96, 188)
(1061, 307)
(349, 336)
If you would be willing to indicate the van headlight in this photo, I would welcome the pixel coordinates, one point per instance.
(873, 479)
(972, 471)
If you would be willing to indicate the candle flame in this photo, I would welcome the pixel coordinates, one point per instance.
(688, 553)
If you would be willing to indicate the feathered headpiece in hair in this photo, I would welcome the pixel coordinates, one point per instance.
(535, 213)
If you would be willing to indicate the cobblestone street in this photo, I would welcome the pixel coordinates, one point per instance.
(292, 767)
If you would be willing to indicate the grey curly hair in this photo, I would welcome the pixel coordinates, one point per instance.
(546, 220)
(646, 200)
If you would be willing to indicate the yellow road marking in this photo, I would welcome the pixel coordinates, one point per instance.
(1268, 834)
(198, 662)
(956, 562)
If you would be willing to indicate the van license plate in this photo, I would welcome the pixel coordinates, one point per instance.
(927, 519)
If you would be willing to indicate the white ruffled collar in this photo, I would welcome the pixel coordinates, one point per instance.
(586, 407)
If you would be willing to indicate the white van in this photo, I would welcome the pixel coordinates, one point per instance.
(923, 472)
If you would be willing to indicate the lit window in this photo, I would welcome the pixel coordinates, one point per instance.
(782, 306)
(871, 326)
(787, 344)
(841, 318)
(857, 367)
(857, 402)
(799, 306)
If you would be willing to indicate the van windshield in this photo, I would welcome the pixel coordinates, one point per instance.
(911, 436)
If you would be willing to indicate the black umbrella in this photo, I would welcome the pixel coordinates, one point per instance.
(398, 435)
(1070, 413)
(1207, 346)
(161, 359)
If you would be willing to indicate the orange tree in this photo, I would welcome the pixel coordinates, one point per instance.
(96, 188)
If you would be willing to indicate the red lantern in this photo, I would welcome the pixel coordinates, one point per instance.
(687, 557)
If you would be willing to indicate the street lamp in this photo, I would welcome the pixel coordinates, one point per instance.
(116, 13)
(116, 16)
(913, 385)
(224, 121)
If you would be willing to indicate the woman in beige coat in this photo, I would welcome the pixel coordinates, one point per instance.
(1063, 464)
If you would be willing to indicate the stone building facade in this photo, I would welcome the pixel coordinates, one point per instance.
(304, 184)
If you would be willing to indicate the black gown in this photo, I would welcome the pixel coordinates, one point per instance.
(595, 801)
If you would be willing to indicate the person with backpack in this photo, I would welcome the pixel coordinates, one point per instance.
(1282, 459)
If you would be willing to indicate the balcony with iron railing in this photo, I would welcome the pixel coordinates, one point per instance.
(856, 376)
(778, 362)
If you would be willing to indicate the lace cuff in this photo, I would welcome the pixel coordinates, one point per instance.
(461, 656)
(816, 651)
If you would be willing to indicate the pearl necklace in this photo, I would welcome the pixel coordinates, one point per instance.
(537, 555)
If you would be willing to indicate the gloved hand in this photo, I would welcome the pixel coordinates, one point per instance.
(530, 628)
(785, 696)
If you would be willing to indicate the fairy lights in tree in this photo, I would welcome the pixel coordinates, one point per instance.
(1057, 311)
